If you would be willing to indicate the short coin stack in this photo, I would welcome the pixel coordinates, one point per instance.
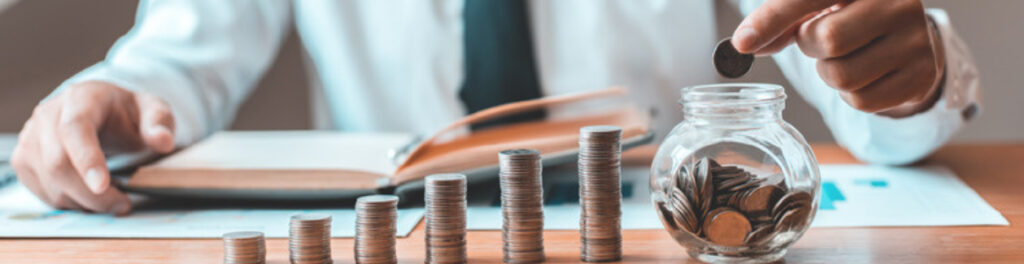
(375, 229)
(309, 238)
(445, 198)
(729, 206)
(244, 247)
(600, 194)
(522, 233)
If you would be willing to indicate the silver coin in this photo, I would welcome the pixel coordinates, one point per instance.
(375, 229)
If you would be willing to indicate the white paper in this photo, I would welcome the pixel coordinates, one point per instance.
(22, 215)
(852, 196)
(857, 195)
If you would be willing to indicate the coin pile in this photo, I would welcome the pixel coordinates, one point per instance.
(522, 232)
(244, 247)
(729, 206)
(445, 198)
(375, 229)
(600, 194)
(309, 238)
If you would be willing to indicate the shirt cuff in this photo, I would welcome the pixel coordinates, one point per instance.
(962, 86)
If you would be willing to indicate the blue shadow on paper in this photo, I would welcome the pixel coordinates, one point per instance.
(830, 194)
(877, 183)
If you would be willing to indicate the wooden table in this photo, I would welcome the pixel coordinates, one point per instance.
(995, 171)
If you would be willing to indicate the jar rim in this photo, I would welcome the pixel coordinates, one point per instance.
(732, 94)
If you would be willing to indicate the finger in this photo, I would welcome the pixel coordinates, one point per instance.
(851, 27)
(28, 178)
(63, 202)
(26, 151)
(53, 163)
(65, 181)
(892, 89)
(870, 63)
(81, 116)
(771, 20)
(782, 41)
(49, 156)
(156, 124)
(111, 201)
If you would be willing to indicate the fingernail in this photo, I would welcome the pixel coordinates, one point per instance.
(121, 209)
(744, 39)
(96, 181)
(156, 130)
(164, 140)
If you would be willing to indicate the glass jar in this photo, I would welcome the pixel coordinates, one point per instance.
(733, 182)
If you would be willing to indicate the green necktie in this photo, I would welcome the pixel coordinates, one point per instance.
(499, 62)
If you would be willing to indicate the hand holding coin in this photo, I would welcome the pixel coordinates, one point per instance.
(883, 56)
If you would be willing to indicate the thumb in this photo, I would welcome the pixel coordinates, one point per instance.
(772, 20)
(156, 124)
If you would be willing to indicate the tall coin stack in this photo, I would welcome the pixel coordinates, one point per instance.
(445, 198)
(375, 229)
(309, 238)
(600, 194)
(522, 233)
(244, 247)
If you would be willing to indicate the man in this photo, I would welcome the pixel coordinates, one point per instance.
(892, 81)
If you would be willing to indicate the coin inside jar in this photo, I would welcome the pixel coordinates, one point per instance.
(728, 228)
(761, 199)
(730, 206)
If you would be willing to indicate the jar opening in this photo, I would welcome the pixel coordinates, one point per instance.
(732, 94)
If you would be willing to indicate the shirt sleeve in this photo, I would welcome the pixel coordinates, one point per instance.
(202, 57)
(879, 139)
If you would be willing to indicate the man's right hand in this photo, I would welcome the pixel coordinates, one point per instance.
(60, 155)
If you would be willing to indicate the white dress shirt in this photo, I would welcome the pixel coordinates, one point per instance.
(397, 65)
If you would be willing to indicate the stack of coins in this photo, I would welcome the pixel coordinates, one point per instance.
(522, 233)
(600, 194)
(375, 229)
(445, 198)
(730, 206)
(309, 238)
(244, 247)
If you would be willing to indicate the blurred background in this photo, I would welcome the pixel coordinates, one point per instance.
(43, 42)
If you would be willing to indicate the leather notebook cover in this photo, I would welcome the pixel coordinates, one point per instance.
(304, 163)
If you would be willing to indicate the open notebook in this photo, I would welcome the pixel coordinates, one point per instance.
(326, 164)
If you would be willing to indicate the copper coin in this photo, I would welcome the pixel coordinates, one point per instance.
(728, 228)
(761, 199)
